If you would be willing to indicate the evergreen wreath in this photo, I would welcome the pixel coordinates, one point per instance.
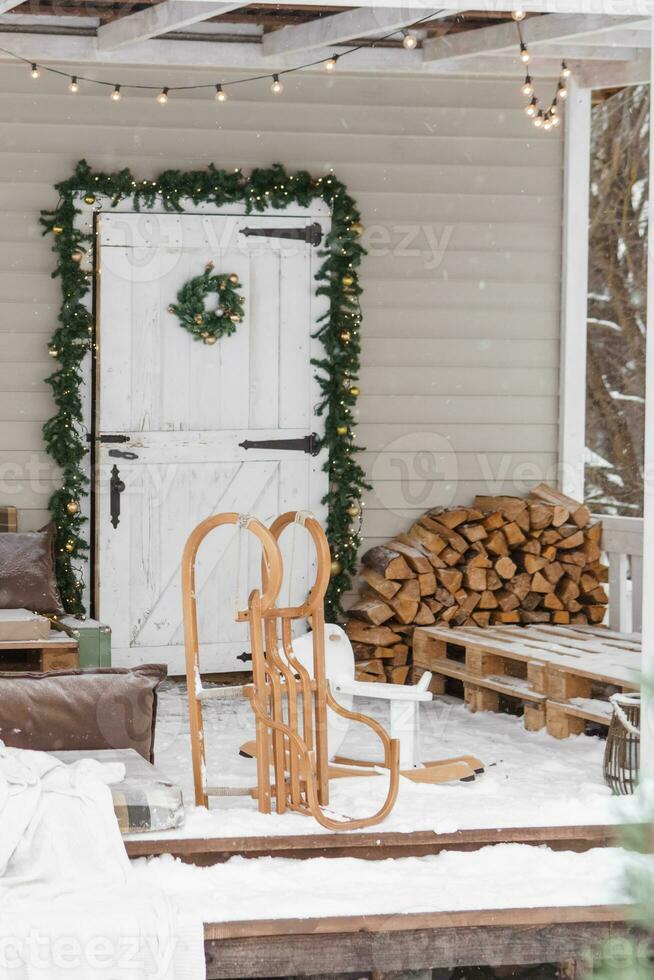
(203, 324)
(339, 332)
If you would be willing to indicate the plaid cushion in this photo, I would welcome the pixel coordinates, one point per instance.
(144, 800)
(142, 806)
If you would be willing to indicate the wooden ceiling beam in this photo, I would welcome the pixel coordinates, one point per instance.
(340, 28)
(504, 37)
(171, 15)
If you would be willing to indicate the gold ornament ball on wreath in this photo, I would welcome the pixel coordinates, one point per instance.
(199, 319)
(235, 318)
(233, 279)
(210, 340)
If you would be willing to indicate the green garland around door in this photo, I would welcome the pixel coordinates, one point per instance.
(209, 325)
(339, 331)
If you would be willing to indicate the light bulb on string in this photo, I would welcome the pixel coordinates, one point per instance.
(74, 86)
(162, 98)
(330, 64)
(221, 95)
(538, 119)
(518, 15)
(409, 41)
(561, 92)
(532, 108)
(528, 86)
(565, 71)
(556, 121)
(277, 88)
(525, 57)
(34, 71)
(115, 95)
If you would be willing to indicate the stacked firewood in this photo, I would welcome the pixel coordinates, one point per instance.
(502, 560)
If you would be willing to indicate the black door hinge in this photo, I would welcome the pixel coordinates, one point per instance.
(307, 444)
(311, 234)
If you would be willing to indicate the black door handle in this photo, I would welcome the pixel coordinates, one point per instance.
(121, 454)
(116, 487)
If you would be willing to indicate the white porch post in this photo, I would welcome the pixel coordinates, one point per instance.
(574, 295)
(647, 721)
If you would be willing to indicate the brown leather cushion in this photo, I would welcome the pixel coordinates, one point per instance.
(100, 708)
(27, 577)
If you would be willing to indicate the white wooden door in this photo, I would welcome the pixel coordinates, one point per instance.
(186, 407)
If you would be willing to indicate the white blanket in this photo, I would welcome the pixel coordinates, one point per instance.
(70, 906)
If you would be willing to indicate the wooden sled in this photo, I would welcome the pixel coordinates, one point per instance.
(289, 702)
(338, 659)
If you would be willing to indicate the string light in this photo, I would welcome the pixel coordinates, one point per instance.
(550, 118)
(409, 41)
(221, 95)
(518, 15)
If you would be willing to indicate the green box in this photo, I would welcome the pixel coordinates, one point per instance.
(94, 640)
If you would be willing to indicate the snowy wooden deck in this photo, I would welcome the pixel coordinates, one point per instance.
(356, 944)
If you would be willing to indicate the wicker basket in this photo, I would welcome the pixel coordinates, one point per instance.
(622, 753)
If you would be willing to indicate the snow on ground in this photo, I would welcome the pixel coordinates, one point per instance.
(532, 779)
(501, 876)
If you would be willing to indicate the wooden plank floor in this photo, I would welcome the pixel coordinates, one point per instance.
(372, 846)
(358, 944)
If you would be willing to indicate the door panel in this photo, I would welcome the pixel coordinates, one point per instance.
(185, 408)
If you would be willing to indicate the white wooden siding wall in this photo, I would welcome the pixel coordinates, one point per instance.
(461, 200)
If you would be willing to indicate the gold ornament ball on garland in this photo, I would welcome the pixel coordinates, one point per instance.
(199, 319)
(345, 336)
(89, 198)
(70, 547)
(208, 267)
(77, 255)
(53, 352)
(72, 507)
(57, 230)
(233, 279)
(347, 281)
(171, 309)
(335, 568)
(342, 430)
(356, 228)
(353, 509)
(355, 391)
(210, 340)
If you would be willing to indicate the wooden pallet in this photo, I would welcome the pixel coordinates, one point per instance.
(561, 674)
(56, 653)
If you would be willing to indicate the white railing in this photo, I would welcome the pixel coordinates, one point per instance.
(622, 543)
